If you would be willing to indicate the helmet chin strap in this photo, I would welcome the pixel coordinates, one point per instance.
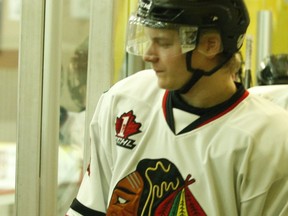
(197, 73)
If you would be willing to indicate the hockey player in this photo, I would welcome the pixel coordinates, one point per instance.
(183, 138)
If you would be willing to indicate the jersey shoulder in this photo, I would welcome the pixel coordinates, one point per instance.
(142, 80)
(262, 119)
(277, 94)
(141, 86)
(263, 108)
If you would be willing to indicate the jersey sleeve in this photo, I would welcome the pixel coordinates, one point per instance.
(93, 192)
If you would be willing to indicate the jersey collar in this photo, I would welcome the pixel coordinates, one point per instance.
(172, 100)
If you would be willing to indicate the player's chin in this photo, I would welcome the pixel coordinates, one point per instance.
(164, 84)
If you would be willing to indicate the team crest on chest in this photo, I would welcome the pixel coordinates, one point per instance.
(125, 127)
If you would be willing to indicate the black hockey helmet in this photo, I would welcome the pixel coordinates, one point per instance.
(273, 70)
(229, 17)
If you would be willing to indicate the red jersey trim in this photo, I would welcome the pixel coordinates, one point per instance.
(246, 93)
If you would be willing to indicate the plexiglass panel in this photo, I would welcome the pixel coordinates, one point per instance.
(9, 47)
(75, 34)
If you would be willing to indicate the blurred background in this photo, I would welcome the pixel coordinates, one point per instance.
(267, 34)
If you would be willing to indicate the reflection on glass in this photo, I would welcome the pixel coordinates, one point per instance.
(72, 124)
(73, 100)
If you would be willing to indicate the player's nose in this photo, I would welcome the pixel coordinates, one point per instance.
(150, 58)
(150, 54)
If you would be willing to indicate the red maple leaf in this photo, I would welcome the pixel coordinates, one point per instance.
(126, 125)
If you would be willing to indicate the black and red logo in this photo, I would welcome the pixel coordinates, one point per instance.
(155, 187)
(126, 126)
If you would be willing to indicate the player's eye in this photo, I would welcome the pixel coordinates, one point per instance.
(165, 44)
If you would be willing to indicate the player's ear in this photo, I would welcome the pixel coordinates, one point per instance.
(210, 44)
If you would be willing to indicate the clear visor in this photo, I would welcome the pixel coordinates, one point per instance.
(143, 36)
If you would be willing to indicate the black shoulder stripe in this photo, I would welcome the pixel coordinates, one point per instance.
(85, 211)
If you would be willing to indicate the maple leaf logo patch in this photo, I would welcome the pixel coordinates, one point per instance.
(126, 126)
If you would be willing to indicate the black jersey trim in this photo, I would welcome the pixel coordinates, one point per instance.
(206, 115)
(169, 112)
(85, 211)
(209, 117)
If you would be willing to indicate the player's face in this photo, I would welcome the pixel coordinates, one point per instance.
(166, 58)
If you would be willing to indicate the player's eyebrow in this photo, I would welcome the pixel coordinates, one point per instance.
(161, 39)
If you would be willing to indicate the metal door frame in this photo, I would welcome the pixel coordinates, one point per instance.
(38, 108)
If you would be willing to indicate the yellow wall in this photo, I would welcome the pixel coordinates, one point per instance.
(279, 44)
(123, 9)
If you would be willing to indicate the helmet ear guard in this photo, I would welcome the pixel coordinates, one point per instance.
(188, 38)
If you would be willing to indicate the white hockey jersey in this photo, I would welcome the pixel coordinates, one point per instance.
(278, 94)
(229, 161)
